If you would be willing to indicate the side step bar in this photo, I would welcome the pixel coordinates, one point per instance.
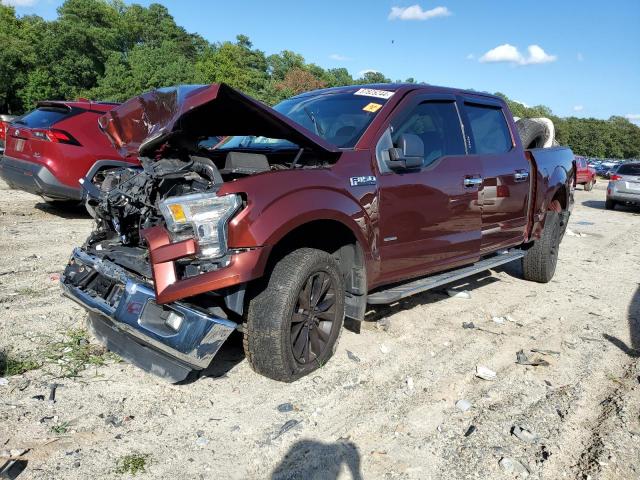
(399, 292)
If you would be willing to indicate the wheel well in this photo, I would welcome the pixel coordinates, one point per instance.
(561, 198)
(337, 239)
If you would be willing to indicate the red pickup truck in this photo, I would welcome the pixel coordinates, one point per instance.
(585, 174)
(306, 213)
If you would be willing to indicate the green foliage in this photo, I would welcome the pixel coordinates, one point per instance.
(132, 464)
(14, 365)
(112, 50)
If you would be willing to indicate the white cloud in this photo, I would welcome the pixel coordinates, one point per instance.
(339, 58)
(19, 3)
(633, 117)
(507, 53)
(578, 108)
(415, 12)
(580, 57)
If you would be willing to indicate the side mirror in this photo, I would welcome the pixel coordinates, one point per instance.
(409, 153)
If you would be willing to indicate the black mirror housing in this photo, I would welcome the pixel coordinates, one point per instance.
(408, 154)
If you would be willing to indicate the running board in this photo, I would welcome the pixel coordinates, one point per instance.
(399, 292)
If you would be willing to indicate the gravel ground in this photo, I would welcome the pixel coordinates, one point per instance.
(383, 407)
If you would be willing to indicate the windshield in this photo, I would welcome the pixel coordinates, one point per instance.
(339, 118)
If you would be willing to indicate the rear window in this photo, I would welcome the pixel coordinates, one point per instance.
(43, 117)
(629, 169)
(489, 128)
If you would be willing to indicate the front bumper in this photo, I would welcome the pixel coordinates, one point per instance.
(168, 340)
(37, 179)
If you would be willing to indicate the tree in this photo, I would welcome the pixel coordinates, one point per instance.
(299, 80)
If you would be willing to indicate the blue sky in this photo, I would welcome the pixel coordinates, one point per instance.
(579, 57)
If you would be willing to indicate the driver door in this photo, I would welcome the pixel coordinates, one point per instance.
(429, 216)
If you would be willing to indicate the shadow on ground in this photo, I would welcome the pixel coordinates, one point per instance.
(633, 316)
(311, 459)
(68, 210)
(599, 205)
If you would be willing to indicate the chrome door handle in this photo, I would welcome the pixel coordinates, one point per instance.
(521, 175)
(472, 181)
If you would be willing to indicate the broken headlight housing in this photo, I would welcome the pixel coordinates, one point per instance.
(202, 216)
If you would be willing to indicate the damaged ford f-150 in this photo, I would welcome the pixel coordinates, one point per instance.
(301, 216)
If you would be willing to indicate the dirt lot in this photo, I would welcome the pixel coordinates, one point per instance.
(383, 407)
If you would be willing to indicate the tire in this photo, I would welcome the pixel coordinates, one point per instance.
(539, 263)
(588, 186)
(272, 337)
(532, 134)
(610, 204)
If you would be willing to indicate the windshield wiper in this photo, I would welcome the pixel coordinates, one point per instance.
(316, 125)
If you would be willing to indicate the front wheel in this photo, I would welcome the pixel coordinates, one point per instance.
(539, 263)
(295, 317)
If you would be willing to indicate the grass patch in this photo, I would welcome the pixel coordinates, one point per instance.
(60, 428)
(29, 292)
(74, 353)
(132, 464)
(14, 365)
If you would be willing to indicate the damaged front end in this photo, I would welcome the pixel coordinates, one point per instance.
(163, 288)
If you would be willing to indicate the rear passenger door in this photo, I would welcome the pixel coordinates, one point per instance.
(505, 192)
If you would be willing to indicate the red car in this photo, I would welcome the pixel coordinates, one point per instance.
(585, 174)
(51, 148)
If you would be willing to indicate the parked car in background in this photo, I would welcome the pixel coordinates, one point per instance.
(49, 149)
(331, 200)
(624, 185)
(585, 175)
(5, 120)
(601, 169)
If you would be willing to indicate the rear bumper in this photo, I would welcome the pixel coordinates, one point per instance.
(36, 179)
(167, 340)
(614, 194)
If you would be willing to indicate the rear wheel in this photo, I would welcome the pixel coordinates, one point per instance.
(610, 204)
(588, 186)
(539, 263)
(295, 317)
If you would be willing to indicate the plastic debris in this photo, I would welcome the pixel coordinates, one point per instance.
(52, 391)
(285, 407)
(410, 384)
(522, 359)
(3, 381)
(463, 405)
(353, 356)
(523, 434)
(511, 465)
(286, 427)
(468, 325)
(458, 293)
(470, 430)
(485, 373)
(499, 320)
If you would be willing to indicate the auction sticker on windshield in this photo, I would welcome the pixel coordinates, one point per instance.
(372, 107)
(371, 92)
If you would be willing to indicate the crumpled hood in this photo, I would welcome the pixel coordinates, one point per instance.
(186, 113)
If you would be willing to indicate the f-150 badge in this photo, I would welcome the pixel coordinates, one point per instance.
(359, 181)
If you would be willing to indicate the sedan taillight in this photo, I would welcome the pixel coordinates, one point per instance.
(615, 177)
(3, 131)
(55, 136)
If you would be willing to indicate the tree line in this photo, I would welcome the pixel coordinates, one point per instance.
(109, 50)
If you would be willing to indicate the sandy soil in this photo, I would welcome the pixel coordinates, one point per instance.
(387, 409)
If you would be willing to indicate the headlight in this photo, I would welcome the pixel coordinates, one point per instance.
(203, 216)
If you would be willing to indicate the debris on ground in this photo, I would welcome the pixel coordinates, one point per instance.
(571, 233)
(383, 324)
(485, 373)
(463, 405)
(499, 320)
(470, 430)
(353, 356)
(511, 465)
(285, 407)
(468, 325)
(3, 382)
(458, 293)
(523, 434)
(286, 427)
(522, 359)
(52, 392)
(410, 384)
(384, 348)
(545, 352)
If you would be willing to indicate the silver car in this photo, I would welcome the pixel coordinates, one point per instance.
(624, 185)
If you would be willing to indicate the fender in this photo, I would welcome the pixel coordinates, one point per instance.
(558, 179)
(266, 226)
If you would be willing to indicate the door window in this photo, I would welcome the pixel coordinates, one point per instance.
(438, 126)
(489, 129)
